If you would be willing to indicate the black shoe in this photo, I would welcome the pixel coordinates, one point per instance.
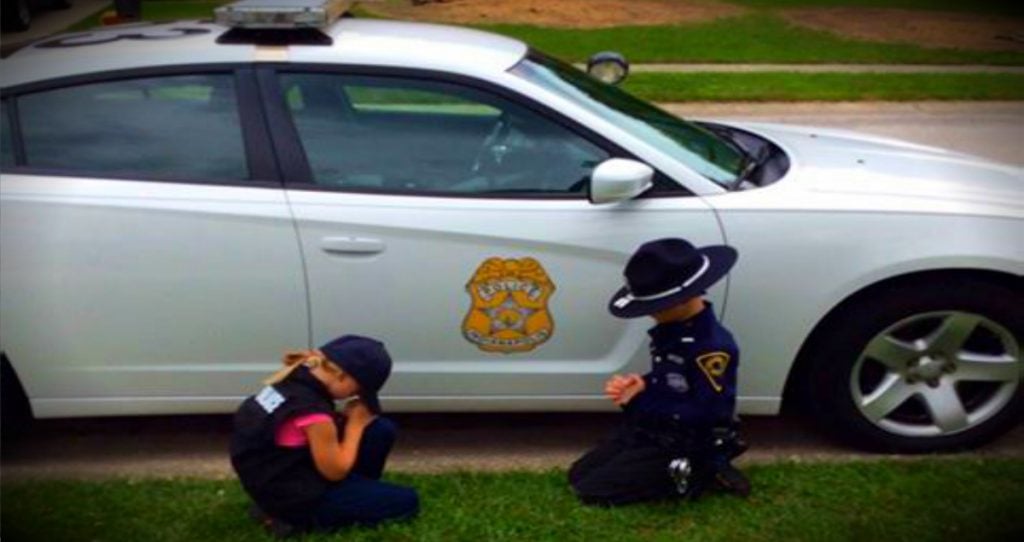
(280, 529)
(738, 447)
(732, 480)
(257, 515)
(277, 528)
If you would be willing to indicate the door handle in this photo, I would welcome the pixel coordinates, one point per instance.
(351, 245)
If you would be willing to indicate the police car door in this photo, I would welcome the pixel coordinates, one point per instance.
(149, 260)
(450, 220)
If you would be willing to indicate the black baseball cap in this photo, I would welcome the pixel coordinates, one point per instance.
(366, 360)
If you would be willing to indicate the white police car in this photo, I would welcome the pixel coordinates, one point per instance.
(182, 202)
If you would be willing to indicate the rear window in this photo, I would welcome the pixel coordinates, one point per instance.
(174, 127)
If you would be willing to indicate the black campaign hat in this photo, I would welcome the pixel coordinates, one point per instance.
(665, 272)
(366, 360)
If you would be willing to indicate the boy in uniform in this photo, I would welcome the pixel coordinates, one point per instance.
(679, 434)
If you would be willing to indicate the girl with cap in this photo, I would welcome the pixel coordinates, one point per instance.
(679, 433)
(305, 466)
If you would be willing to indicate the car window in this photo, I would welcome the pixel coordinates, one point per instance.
(175, 127)
(6, 143)
(403, 135)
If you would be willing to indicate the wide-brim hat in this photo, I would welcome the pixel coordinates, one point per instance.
(364, 359)
(666, 272)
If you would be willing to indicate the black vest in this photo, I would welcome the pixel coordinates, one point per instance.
(284, 482)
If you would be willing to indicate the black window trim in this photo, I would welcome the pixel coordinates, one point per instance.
(14, 127)
(259, 156)
(297, 173)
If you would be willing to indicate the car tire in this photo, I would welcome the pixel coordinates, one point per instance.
(17, 15)
(15, 412)
(936, 367)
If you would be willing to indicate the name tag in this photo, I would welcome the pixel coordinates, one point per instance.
(269, 399)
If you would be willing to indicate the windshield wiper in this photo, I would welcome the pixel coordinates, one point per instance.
(751, 162)
(748, 161)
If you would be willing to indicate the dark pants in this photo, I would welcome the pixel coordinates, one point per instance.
(624, 469)
(361, 498)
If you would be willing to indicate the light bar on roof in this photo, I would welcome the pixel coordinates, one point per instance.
(282, 14)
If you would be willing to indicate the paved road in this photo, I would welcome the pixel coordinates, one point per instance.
(993, 130)
(197, 445)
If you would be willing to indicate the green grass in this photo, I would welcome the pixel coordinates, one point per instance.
(755, 38)
(773, 86)
(997, 7)
(922, 500)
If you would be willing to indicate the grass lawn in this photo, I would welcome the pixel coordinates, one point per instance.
(918, 500)
(772, 86)
(754, 38)
(996, 7)
(759, 37)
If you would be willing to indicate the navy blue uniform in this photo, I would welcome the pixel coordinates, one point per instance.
(692, 382)
(690, 390)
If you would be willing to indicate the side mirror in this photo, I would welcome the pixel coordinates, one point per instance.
(609, 67)
(619, 179)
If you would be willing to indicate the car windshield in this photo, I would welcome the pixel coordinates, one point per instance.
(705, 152)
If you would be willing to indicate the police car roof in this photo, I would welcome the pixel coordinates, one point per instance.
(355, 41)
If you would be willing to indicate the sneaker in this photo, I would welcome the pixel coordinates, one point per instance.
(732, 480)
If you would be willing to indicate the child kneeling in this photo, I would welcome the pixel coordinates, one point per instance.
(305, 466)
(679, 435)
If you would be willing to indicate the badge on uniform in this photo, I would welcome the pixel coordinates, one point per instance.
(713, 366)
(269, 399)
(677, 382)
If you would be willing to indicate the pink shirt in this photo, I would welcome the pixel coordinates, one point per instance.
(292, 434)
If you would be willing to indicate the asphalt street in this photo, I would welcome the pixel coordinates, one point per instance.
(196, 446)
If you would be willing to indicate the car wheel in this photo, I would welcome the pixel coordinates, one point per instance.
(936, 368)
(15, 412)
(16, 15)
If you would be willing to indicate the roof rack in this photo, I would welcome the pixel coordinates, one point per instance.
(280, 22)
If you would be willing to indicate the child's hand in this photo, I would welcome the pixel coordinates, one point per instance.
(614, 386)
(634, 385)
(622, 388)
(357, 414)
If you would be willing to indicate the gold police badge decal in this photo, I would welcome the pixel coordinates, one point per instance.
(509, 310)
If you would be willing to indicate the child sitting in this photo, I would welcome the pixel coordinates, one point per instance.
(306, 467)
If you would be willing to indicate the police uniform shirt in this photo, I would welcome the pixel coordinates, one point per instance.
(692, 381)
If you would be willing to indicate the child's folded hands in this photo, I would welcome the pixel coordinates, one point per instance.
(622, 388)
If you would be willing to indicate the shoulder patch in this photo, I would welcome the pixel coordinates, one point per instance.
(269, 399)
(713, 365)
